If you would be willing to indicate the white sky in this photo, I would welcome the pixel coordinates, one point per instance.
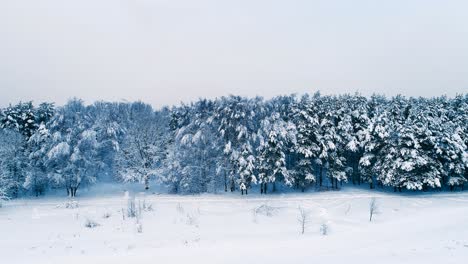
(167, 51)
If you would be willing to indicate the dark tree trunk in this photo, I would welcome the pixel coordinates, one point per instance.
(233, 188)
(225, 182)
(320, 176)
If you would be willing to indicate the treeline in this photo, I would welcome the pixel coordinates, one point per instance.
(235, 143)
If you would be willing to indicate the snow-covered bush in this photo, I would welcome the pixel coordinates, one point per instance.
(107, 215)
(266, 210)
(192, 220)
(139, 227)
(180, 209)
(324, 229)
(71, 204)
(132, 210)
(145, 206)
(89, 223)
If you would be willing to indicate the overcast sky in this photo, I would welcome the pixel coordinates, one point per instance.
(167, 51)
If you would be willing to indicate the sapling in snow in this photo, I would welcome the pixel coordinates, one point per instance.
(373, 208)
(303, 219)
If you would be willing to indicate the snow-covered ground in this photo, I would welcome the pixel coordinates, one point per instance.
(422, 228)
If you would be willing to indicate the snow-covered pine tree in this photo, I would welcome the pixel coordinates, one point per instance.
(13, 162)
(353, 129)
(71, 149)
(408, 160)
(452, 152)
(36, 177)
(307, 148)
(20, 117)
(198, 150)
(275, 136)
(237, 118)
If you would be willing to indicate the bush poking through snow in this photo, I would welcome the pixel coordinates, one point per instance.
(180, 209)
(132, 210)
(303, 219)
(147, 207)
(107, 215)
(89, 223)
(192, 220)
(72, 204)
(265, 209)
(324, 229)
(139, 227)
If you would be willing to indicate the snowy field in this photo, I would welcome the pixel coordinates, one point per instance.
(229, 228)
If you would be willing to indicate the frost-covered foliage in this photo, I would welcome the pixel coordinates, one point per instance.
(235, 143)
(276, 135)
(13, 163)
(72, 148)
(142, 149)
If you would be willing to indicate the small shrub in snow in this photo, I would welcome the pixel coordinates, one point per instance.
(71, 204)
(180, 209)
(147, 207)
(106, 215)
(324, 229)
(132, 210)
(192, 220)
(139, 227)
(265, 209)
(91, 223)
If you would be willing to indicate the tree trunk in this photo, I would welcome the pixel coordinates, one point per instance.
(146, 182)
(225, 181)
(320, 176)
(233, 187)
